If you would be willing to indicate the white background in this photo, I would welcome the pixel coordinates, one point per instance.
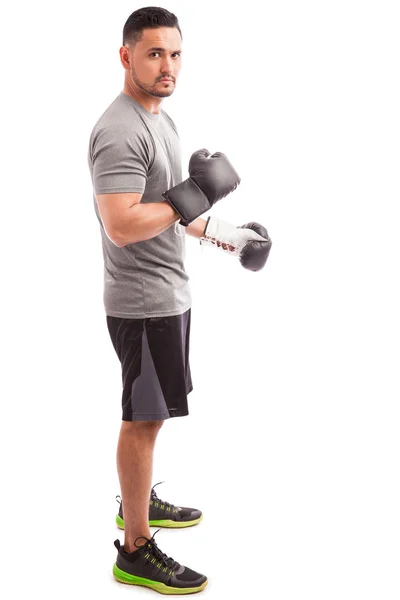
(291, 448)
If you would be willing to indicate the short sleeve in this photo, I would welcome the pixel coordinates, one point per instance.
(120, 159)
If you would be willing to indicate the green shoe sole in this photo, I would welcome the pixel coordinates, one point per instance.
(163, 523)
(124, 577)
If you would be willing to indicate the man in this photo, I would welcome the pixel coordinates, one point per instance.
(144, 210)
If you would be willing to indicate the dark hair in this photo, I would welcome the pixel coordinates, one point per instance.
(150, 17)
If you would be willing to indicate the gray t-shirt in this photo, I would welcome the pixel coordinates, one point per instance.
(134, 150)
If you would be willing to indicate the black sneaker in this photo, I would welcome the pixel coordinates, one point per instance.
(150, 567)
(164, 514)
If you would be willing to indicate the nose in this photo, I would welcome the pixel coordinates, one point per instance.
(167, 67)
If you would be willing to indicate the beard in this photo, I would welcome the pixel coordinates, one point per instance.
(152, 89)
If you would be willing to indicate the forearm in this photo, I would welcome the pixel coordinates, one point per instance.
(145, 221)
(196, 227)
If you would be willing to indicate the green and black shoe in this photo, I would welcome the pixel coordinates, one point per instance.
(149, 567)
(164, 514)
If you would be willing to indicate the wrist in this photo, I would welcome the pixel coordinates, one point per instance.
(196, 228)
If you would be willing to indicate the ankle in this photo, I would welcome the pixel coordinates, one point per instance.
(129, 543)
(129, 548)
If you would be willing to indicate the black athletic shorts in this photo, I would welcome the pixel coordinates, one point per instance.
(154, 356)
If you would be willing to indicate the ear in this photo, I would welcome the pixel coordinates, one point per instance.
(125, 57)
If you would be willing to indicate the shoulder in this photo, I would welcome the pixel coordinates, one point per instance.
(120, 123)
(120, 117)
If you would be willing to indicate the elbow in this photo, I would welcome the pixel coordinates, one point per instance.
(117, 237)
(116, 233)
(120, 240)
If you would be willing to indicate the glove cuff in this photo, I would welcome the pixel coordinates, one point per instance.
(222, 235)
(187, 200)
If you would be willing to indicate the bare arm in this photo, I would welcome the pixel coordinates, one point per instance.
(196, 227)
(127, 221)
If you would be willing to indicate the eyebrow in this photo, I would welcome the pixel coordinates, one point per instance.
(160, 50)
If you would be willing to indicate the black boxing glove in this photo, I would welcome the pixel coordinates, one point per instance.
(211, 179)
(250, 243)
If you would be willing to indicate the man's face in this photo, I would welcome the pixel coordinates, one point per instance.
(157, 56)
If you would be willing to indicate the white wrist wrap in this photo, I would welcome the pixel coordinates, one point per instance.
(225, 236)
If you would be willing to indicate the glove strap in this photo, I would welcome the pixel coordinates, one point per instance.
(187, 200)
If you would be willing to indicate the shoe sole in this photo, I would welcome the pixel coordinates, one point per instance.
(157, 586)
(163, 523)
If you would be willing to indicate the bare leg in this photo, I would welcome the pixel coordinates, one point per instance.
(135, 466)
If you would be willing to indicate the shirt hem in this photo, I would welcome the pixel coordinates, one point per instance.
(117, 190)
(146, 315)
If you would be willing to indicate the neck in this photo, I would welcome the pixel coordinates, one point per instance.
(150, 103)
